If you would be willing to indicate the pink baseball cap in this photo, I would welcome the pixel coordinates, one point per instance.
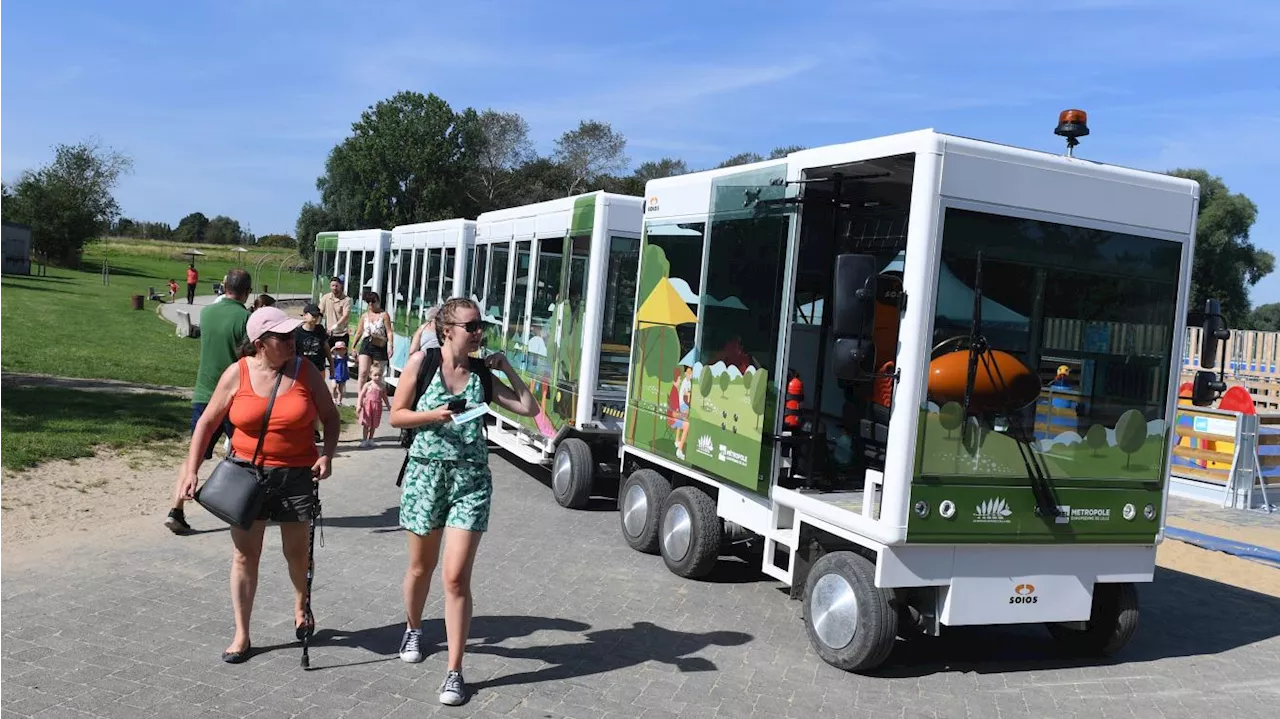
(270, 319)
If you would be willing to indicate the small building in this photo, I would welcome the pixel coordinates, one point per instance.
(17, 249)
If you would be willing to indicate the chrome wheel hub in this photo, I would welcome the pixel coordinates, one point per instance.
(675, 532)
(635, 510)
(833, 610)
(560, 474)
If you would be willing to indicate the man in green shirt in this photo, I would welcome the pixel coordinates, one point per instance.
(222, 331)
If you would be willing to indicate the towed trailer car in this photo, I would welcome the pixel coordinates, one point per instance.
(933, 377)
(360, 256)
(430, 262)
(555, 282)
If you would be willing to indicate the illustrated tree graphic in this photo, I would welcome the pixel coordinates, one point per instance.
(758, 390)
(705, 382)
(1096, 439)
(724, 383)
(1131, 434)
(951, 416)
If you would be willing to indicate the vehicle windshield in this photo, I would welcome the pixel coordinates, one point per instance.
(1088, 314)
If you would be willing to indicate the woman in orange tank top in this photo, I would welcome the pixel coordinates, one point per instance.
(291, 462)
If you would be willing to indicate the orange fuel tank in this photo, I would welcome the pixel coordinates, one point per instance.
(1002, 383)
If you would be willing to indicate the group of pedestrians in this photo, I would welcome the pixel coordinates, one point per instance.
(267, 366)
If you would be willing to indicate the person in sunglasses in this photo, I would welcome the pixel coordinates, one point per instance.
(448, 487)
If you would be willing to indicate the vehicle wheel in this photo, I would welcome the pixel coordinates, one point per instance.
(571, 473)
(640, 502)
(690, 532)
(851, 623)
(1112, 622)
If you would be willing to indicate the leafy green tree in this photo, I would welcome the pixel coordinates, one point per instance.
(223, 230)
(312, 220)
(504, 146)
(1265, 317)
(593, 150)
(407, 160)
(69, 201)
(539, 180)
(1227, 263)
(1131, 433)
(193, 228)
(783, 151)
(7, 201)
(742, 158)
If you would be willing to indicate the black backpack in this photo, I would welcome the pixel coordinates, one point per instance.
(426, 373)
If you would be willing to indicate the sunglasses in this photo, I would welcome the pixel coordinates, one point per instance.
(277, 335)
(472, 326)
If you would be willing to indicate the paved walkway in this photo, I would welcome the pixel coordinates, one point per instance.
(570, 622)
(169, 310)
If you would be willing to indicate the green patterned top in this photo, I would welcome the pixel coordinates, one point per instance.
(449, 441)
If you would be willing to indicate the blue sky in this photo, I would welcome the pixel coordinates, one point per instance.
(230, 107)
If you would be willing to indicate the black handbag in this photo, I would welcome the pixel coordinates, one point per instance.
(235, 491)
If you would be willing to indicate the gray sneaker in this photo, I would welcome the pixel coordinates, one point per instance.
(411, 646)
(454, 691)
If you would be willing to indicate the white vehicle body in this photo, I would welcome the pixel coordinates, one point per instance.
(956, 570)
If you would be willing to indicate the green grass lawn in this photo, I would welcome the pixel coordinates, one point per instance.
(40, 424)
(70, 324)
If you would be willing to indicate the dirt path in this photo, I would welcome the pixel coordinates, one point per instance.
(25, 379)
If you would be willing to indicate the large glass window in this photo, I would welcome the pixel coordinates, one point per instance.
(518, 322)
(544, 332)
(475, 272)
(1084, 318)
(743, 298)
(450, 273)
(679, 247)
(434, 261)
(619, 311)
(403, 293)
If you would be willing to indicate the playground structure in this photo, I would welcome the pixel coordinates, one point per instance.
(1229, 454)
(429, 263)
(981, 347)
(556, 284)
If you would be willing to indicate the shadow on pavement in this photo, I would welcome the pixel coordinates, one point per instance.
(384, 641)
(389, 520)
(1180, 615)
(612, 649)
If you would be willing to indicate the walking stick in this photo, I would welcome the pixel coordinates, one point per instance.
(308, 628)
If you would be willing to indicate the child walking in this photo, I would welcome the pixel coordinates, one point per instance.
(339, 371)
(369, 403)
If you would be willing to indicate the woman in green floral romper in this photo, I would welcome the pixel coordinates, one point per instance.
(447, 484)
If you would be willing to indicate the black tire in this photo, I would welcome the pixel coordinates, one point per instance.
(655, 489)
(874, 621)
(571, 473)
(1112, 622)
(703, 532)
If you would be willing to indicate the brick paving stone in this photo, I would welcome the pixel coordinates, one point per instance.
(569, 623)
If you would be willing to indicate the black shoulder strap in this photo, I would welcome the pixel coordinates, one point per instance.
(426, 373)
(478, 367)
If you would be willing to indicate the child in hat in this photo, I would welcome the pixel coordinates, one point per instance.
(339, 371)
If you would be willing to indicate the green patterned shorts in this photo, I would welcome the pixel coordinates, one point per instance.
(442, 493)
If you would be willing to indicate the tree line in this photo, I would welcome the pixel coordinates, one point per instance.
(413, 158)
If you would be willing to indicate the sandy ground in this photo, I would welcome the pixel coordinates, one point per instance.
(114, 496)
(88, 503)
